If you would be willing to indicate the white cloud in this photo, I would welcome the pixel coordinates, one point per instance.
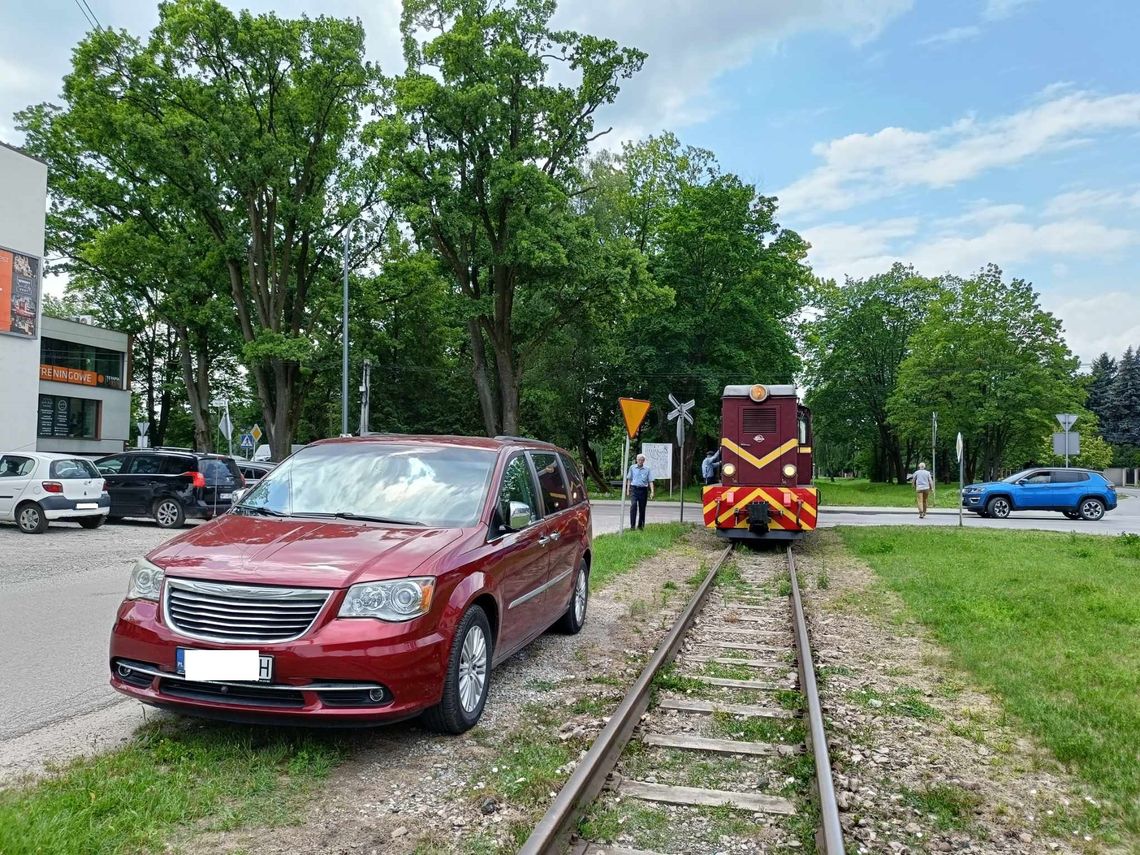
(692, 42)
(996, 10)
(1075, 201)
(1104, 322)
(862, 167)
(952, 36)
(983, 213)
(861, 250)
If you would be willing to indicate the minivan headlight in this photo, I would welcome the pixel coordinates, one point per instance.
(397, 600)
(146, 581)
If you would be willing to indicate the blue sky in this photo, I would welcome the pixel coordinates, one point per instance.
(947, 134)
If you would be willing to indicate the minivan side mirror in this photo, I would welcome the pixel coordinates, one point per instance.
(520, 516)
(238, 495)
(1021, 482)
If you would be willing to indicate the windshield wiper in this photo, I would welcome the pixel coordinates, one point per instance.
(256, 509)
(349, 515)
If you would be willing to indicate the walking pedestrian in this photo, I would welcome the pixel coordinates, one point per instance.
(639, 485)
(709, 466)
(923, 484)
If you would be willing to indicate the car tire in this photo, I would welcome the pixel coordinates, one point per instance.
(92, 522)
(31, 519)
(1073, 515)
(574, 618)
(468, 678)
(168, 513)
(998, 507)
(1091, 509)
(112, 519)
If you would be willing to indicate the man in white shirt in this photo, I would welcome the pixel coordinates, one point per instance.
(639, 485)
(923, 484)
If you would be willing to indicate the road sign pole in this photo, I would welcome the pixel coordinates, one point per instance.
(681, 432)
(344, 341)
(933, 451)
(624, 471)
(961, 478)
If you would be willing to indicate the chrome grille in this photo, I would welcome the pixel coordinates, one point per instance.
(240, 614)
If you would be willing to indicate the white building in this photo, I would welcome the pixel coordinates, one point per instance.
(84, 388)
(23, 208)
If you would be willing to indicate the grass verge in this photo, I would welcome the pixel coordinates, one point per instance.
(614, 554)
(860, 491)
(173, 775)
(1045, 621)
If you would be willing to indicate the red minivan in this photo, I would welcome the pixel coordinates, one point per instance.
(364, 580)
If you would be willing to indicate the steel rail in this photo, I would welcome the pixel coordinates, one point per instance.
(829, 838)
(553, 831)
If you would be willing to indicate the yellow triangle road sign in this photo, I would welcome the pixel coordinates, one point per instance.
(633, 411)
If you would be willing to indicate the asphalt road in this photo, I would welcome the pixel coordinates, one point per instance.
(1126, 517)
(59, 592)
(58, 596)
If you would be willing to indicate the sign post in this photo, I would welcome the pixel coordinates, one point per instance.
(633, 411)
(961, 475)
(933, 451)
(680, 413)
(1066, 420)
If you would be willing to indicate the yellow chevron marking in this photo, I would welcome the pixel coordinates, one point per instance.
(759, 462)
(805, 449)
(778, 505)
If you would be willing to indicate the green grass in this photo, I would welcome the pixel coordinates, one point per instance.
(171, 777)
(951, 806)
(860, 491)
(614, 554)
(1048, 623)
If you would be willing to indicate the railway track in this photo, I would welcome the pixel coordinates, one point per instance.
(740, 747)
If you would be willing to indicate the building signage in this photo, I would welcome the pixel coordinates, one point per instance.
(19, 293)
(59, 374)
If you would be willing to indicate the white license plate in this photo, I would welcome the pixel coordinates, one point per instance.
(225, 495)
(86, 506)
(238, 665)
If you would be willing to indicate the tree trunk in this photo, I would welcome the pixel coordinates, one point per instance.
(198, 396)
(482, 379)
(590, 463)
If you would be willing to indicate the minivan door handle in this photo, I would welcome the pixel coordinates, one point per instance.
(542, 541)
(554, 535)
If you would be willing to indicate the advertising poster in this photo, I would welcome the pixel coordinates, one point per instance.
(659, 459)
(19, 293)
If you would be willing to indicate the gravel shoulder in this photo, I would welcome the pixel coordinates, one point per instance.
(924, 761)
(405, 791)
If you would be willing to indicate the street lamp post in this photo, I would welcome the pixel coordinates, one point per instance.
(344, 340)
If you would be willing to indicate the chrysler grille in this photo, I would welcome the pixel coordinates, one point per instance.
(241, 614)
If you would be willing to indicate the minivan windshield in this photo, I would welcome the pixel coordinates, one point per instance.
(440, 486)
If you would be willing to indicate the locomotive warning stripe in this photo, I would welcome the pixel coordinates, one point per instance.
(742, 503)
(781, 513)
(760, 462)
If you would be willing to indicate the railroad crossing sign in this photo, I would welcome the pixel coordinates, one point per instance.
(255, 432)
(633, 410)
(247, 440)
(680, 412)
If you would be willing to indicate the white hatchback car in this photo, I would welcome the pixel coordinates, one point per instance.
(37, 488)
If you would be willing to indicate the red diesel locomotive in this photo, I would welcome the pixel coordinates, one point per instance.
(765, 491)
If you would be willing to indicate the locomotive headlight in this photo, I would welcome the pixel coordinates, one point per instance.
(758, 393)
(728, 469)
(789, 471)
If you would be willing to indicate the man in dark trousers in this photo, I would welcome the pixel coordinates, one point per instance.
(639, 484)
(709, 465)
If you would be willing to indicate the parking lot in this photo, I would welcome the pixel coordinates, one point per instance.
(58, 595)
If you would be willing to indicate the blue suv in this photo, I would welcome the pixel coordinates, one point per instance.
(1079, 494)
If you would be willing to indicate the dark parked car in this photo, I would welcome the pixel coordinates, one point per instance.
(169, 485)
(1076, 493)
(364, 580)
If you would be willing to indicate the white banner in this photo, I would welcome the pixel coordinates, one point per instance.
(659, 459)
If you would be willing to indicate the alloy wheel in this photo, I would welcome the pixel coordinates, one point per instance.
(166, 514)
(999, 508)
(581, 595)
(1092, 510)
(472, 669)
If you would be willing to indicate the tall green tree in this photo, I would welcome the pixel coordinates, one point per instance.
(1101, 378)
(240, 130)
(478, 149)
(855, 348)
(1124, 403)
(994, 365)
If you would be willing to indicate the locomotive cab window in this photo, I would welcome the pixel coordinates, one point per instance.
(803, 430)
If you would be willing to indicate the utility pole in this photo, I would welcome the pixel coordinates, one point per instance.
(933, 449)
(344, 340)
(365, 394)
